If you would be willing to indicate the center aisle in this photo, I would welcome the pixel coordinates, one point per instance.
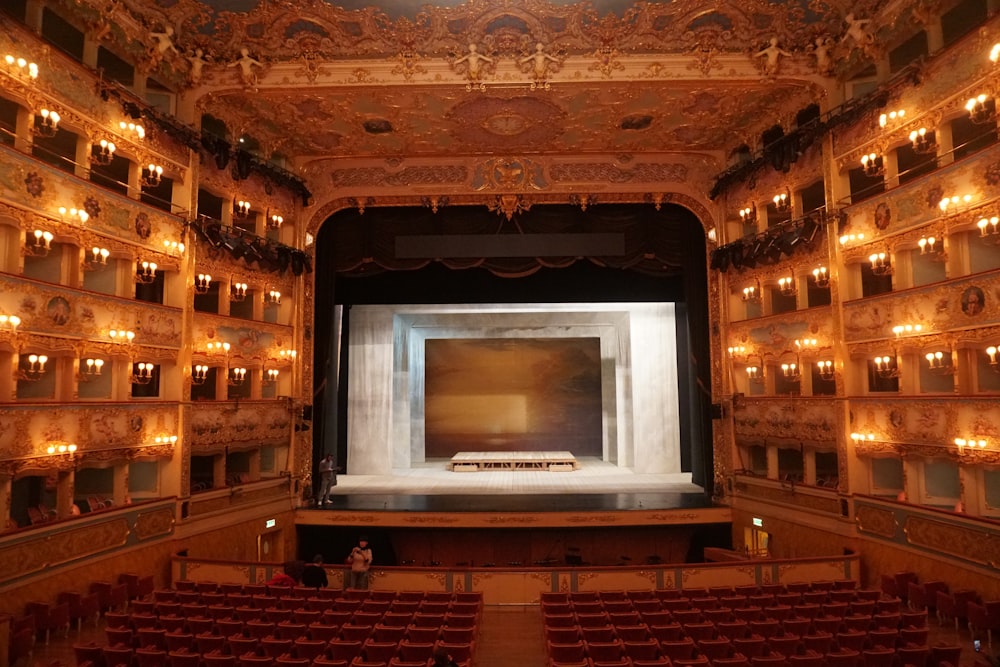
(511, 636)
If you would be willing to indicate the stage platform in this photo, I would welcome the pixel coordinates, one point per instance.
(479, 461)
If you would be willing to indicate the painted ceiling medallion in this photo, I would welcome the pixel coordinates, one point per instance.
(493, 122)
(506, 124)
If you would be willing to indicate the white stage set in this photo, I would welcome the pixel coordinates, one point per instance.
(640, 448)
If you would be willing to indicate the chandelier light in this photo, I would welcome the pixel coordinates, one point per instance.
(199, 374)
(885, 367)
(237, 376)
(133, 130)
(151, 175)
(143, 373)
(71, 213)
(9, 323)
(38, 243)
(288, 354)
(272, 298)
(202, 283)
(939, 362)
(782, 201)
(271, 375)
(786, 286)
(173, 247)
(751, 293)
(48, 123)
(238, 292)
(901, 330)
(820, 277)
(21, 68)
(929, 246)
(103, 153)
(791, 372)
(241, 209)
(145, 272)
(748, 214)
(121, 336)
(891, 117)
(737, 350)
(873, 165)
(92, 368)
(980, 110)
(275, 221)
(988, 227)
(825, 369)
(880, 264)
(61, 448)
(970, 444)
(97, 259)
(755, 374)
(991, 352)
(950, 204)
(921, 142)
(35, 368)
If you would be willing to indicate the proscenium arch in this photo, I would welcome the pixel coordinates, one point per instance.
(369, 257)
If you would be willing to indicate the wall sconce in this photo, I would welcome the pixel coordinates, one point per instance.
(954, 202)
(873, 165)
(48, 123)
(142, 373)
(907, 329)
(737, 351)
(122, 336)
(755, 374)
(271, 375)
(988, 227)
(806, 344)
(38, 243)
(218, 348)
(199, 374)
(751, 293)
(971, 443)
(820, 277)
(272, 298)
(145, 272)
(713, 235)
(241, 209)
(173, 246)
(103, 153)
(21, 68)
(202, 283)
(77, 213)
(97, 259)
(288, 354)
(891, 117)
(748, 214)
(135, 130)
(791, 372)
(9, 323)
(35, 368)
(165, 440)
(995, 52)
(991, 351)
(921, 142)
(237, 292)
(275, 221)
(862, 437)
(940, 362)
(851, 238)
(237, 376)
(886, 367)
(787, 286)
(825, 369)
(782, 201)
(61, 448)
(929, 246)
(151, 175)
(980, 112)
(880, 264)
(93, 368)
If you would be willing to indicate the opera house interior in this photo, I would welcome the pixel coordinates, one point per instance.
(693, 300)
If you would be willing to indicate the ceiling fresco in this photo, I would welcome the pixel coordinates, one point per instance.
(320, 80)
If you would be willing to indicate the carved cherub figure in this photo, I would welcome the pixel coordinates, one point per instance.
(247, 63)
(857, 31)
(474, 62)
(772, 54)
(824, 61)
(198, 63)
(163, 42)
(539, 61)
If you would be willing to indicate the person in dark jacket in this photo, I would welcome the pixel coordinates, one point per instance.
(314, 575)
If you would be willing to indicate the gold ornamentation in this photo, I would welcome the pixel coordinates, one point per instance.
(875, 520)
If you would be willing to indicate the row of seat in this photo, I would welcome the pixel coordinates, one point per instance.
(887, 614)
(182, 586)
(696, 592)
(172, 600)
(300, 614)
(861, 599)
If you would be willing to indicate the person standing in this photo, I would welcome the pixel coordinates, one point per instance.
(360, 559)
(314, 575)
(327, 472)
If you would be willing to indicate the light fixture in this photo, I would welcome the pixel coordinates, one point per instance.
(275, 221)
(992, 352)
(737, 350)
(786, 286)
(820, 277)
(901, 330)
(48, 123)
(218, 348)
(755, 374)
(38, 243)
(988, 226)
(77, 213)
(921, 142)
(173, 246)
(885, 367)
(825, 369)
(891, 117)
(122, 336)
(940, 362)
(952, 203)
(142, 373)
(748, 214)
(134, 129)
(241, 208)
(21, 68)
(880, 264)
(873, 165)
(929, 246)
(237, 292)
(199, 374)
(970, 443)
(271, 376)
(237, 376)
(995, 52)
(151, 175)
(34, 369)
(165, 440)
(862, 437)
(288, 354)
(272, 298)
(979, 111)
(202, 283)
(97, 259)
(61, 448)
(145, 272)
(9, 323)
(92, 370)
(751, 293)
(791, 372)
(712, 235)
(851, 238)
(103, 153)
(782, 200)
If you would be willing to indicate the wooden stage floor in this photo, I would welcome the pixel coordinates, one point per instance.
(595, 486)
